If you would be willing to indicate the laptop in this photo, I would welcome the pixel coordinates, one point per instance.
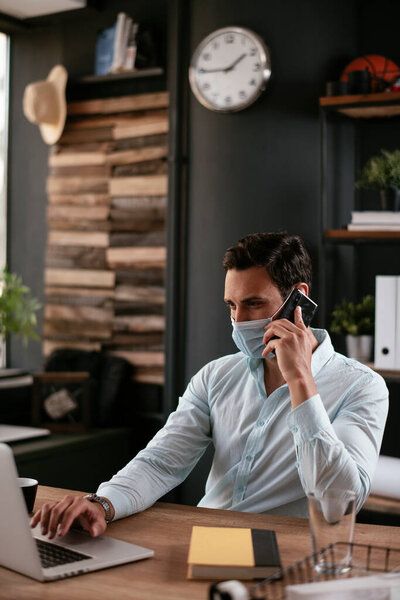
(16, 433)
(29, 552)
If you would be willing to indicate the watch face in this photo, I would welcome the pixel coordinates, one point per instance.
(229, 69)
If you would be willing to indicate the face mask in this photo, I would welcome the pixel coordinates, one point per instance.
(248, 336)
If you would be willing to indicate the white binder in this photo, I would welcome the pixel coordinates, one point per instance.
(386, 300)
(397, 334)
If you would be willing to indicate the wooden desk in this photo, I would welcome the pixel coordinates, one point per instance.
(166, 528)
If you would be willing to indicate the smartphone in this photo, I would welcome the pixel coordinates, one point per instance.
(297, 298)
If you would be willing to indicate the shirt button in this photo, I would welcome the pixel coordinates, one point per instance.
(249, 457)
(260, 423)
(297, 465)
(294, 429)
(240, 488)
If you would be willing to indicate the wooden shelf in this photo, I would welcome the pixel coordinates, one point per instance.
(364, 106)
(154, 72)
(139, 81)
(382, 505)
(345, 236)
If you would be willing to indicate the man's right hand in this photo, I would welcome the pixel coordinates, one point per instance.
(59, 516)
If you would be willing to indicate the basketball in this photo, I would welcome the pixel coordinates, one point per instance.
(383, 71)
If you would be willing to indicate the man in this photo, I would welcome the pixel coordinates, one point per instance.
(286, 414)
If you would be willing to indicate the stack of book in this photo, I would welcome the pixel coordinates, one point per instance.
(374, 220)
(116, 46)
(232, 553)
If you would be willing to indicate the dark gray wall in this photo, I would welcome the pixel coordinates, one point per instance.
(258, 169)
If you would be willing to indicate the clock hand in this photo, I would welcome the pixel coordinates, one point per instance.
(211, 70)
(225, 69)
(233, 65)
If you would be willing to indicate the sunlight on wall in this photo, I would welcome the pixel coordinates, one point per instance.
(3, 143)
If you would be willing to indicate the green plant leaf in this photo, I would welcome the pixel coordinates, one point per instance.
(381, 172)
(354, 319)
(17, 308)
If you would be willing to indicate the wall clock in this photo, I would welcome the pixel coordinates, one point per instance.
(229, 69)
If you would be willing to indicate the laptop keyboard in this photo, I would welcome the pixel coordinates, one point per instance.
(52, 555)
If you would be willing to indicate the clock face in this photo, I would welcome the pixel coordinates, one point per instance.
(229, 69)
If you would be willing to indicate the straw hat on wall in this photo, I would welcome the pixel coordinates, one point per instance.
(44, 104)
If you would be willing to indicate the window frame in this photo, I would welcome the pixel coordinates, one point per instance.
(4, 189)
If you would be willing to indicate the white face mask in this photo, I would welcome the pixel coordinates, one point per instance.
(248, 335)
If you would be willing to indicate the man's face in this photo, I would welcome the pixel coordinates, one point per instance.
(251, 294)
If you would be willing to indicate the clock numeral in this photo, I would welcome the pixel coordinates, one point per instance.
(253, 51)
(256, 67)
(252, 82)
(206, 56)
(228, 100)
(206, 87)
(229, 38)
(242, 94)
(215, 45)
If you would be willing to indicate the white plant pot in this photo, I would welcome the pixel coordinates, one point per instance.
(359, 347)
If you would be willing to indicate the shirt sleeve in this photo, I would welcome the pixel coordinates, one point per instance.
(168, 458)
(341, 452)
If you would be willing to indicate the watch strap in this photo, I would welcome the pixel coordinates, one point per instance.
(103, 502)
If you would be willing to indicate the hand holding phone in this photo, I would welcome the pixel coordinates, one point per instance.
(298, 351)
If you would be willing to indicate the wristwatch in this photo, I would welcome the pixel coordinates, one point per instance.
(103, 502)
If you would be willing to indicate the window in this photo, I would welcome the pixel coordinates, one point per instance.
(4, 63)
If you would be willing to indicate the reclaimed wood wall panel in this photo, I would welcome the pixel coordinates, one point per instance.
(76, 159)
(79, 277)
(128, 157)
(76, 185)
(80, 199)
(78, 238)
(119, 105)
(91, 213)
(106, 246)
(153, 185)
(49, 345)
(69, 257)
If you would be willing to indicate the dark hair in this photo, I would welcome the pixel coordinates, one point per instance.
(284, 257)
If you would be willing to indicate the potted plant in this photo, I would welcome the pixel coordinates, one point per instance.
(382, 172)
(17, 308)
(356, 322)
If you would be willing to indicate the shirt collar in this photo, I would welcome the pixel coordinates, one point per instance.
(322, 353)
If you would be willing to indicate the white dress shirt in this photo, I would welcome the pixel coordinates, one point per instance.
(267, 456)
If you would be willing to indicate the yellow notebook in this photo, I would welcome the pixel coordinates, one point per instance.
(232, 553)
